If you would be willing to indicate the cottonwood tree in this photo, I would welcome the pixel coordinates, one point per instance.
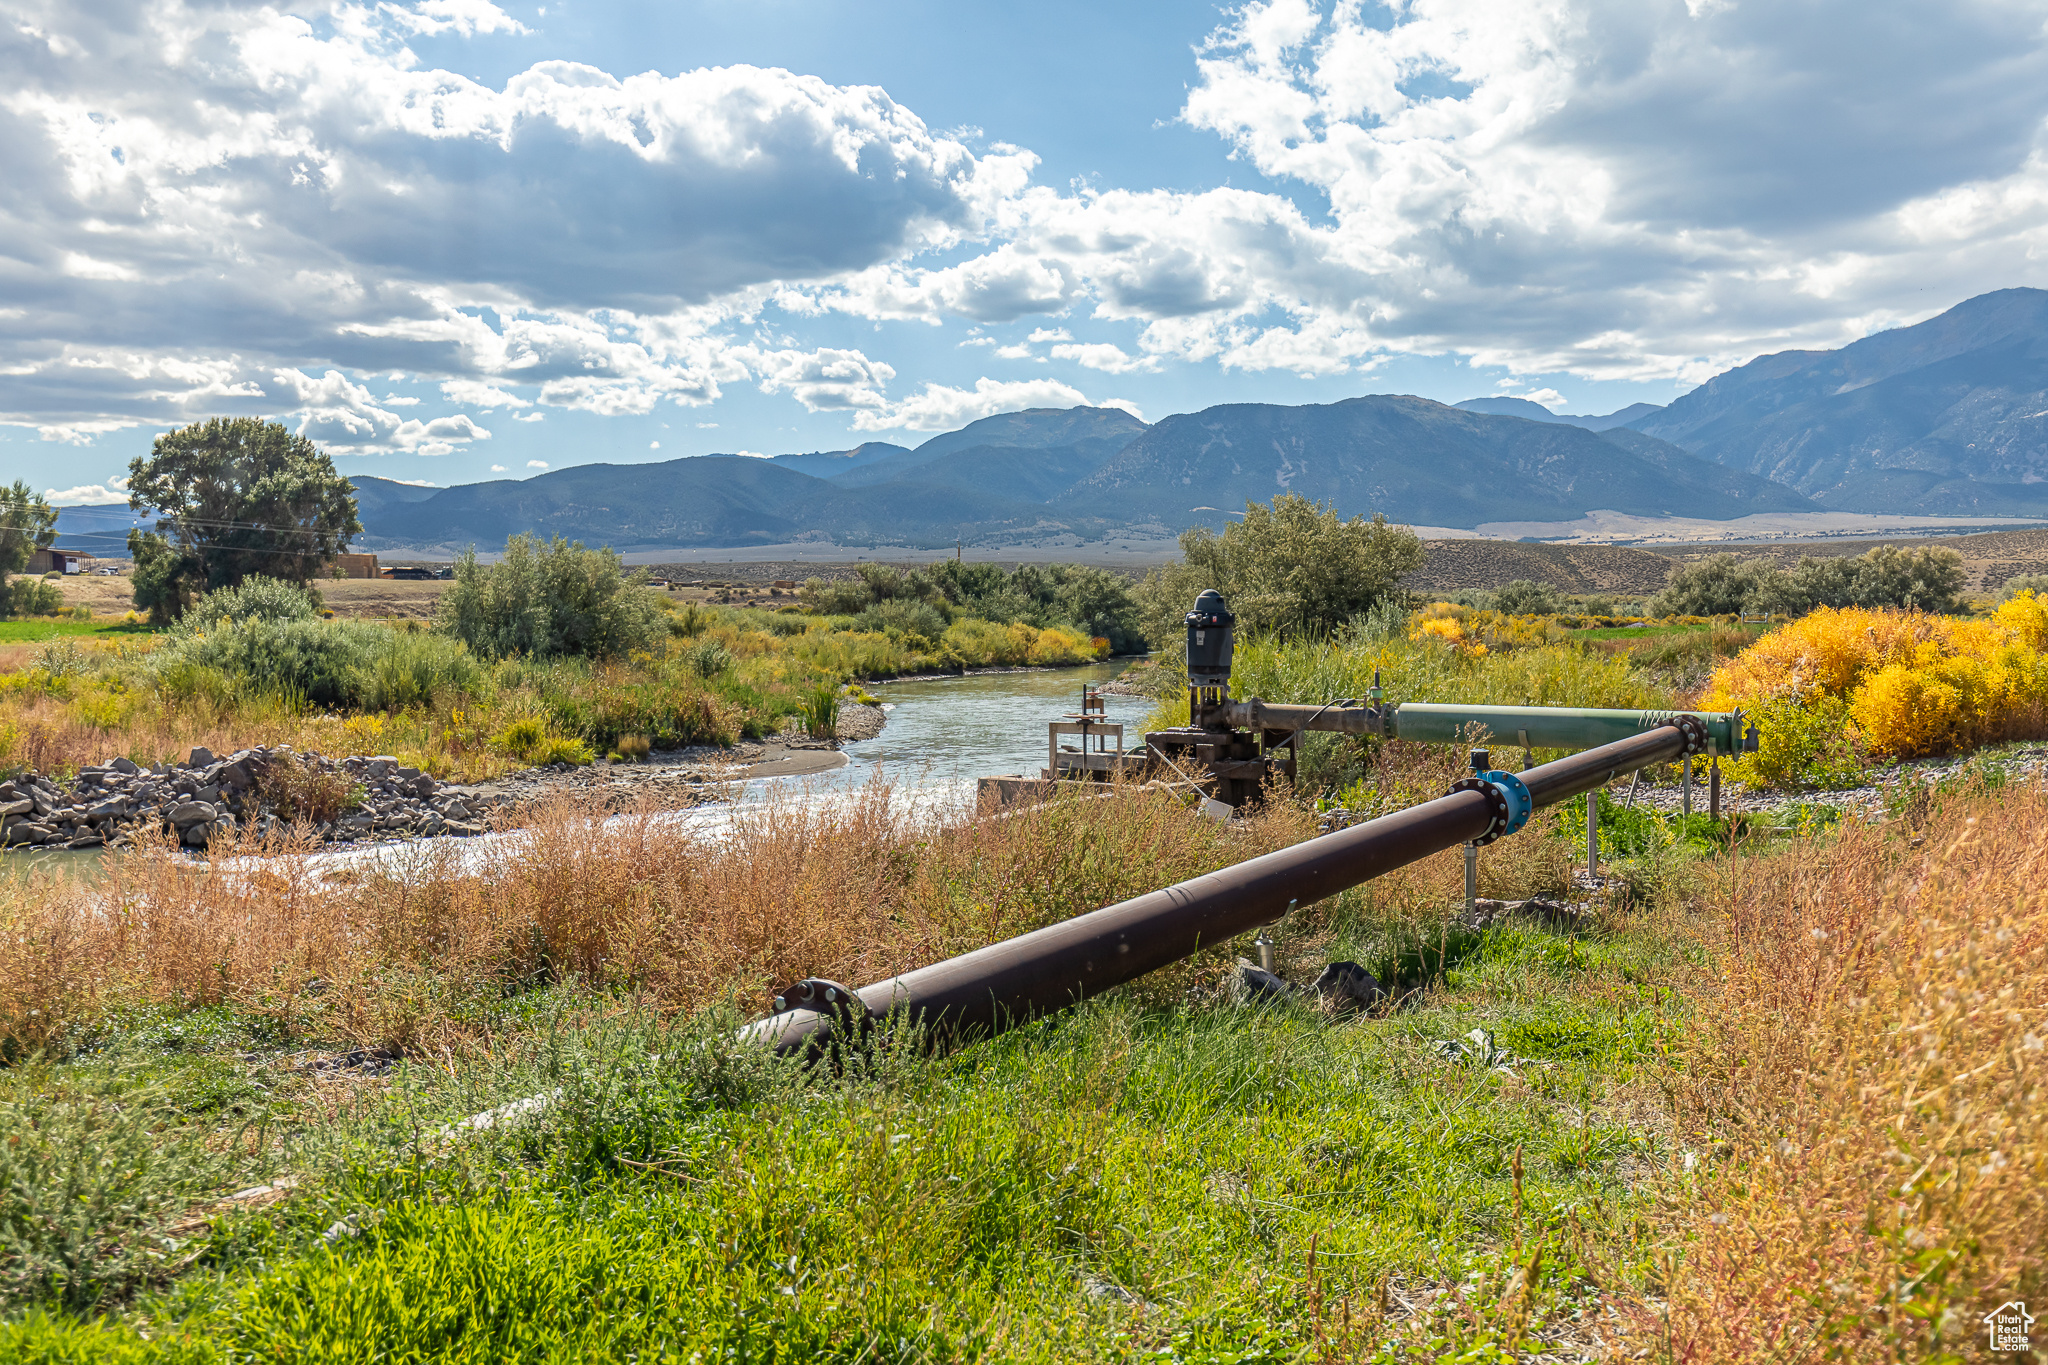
(238, 496)
(1291, 567)
(27, 524)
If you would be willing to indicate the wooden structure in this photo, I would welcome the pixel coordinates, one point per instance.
(59, 561)
(353, 566)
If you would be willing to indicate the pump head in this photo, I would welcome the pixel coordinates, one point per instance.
(1209, 641)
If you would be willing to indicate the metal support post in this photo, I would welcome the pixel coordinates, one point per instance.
(1471, 881)
(1685, 798)
(1714, 786)
(1593, 835)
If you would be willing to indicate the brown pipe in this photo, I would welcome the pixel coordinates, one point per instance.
(1004, 984)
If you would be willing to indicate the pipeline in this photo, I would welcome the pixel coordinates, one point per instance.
(998, 987)
(1533, 727)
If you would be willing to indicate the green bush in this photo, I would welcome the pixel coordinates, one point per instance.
(1527, 597)
(352, 664)
(899, 617)
(2035, 583)
(255, 598)
(548, 599)
(821, 711)
(1929, 579)
(32, 597)
(708, 659)
(1290, 567)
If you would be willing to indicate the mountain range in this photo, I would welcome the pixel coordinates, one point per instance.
(1949, 416)
(1088, 474)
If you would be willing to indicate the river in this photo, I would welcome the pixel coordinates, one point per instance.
(941, 735)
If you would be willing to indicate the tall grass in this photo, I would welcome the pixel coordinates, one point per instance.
(856, 892)
(1861, 1097)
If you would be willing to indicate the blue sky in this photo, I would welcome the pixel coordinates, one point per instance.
(452, 240)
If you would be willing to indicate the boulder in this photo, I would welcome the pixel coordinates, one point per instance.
(1346, 986)
(125, 767)
(197, 835)
(187, 814)
(200, 757)
(20, 807)
(1257, 984)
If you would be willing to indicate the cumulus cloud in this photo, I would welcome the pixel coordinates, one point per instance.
(1610, 188)
(941, 408)
(536, 464)
(87, 494)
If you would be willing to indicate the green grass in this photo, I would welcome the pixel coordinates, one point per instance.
(1123, 1182)
(1638, 632)
(16, 632)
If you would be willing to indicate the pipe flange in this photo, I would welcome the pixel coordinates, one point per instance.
(1695, 731)
(1507, 800)
(841, 1004)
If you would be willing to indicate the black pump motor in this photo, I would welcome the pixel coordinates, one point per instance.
(1209, 641)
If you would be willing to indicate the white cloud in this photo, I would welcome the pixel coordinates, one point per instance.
(335, 412)
(707, 426)
(531, 417)
(536, 464)
(1600, 187)
(88, 494)
(654, 445)
(1101, 355)
(940, 408)
(497, 469)
(471, 393)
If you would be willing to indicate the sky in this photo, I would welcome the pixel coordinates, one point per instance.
(452, 241)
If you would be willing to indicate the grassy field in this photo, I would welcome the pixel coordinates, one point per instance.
(1567, 1141)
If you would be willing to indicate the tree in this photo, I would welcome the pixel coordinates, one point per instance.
(27, 524)
(1929, 579)
(239, 496)
(1291, 567)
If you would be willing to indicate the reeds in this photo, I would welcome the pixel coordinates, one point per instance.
(640, 905)
(1861, 1097)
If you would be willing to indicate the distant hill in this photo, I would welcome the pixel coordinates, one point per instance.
(99, 530)
(1947, 416)
(1536, 412)
(1090, 433)
(1415, 460)
(825, 464)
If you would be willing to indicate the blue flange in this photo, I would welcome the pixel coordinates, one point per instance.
(1506, 795)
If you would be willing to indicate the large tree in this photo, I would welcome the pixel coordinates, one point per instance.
(238, 496)
(27, 524)
(1291, 567)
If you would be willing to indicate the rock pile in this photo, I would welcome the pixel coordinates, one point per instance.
(206, 797)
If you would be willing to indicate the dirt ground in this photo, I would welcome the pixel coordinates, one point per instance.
(1454, 564)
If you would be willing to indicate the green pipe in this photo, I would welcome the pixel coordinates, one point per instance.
(1549, 727)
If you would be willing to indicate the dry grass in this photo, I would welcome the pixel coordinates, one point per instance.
(644, 907)
(1864, 1095)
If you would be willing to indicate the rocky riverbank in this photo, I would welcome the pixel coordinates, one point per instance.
(355, 799)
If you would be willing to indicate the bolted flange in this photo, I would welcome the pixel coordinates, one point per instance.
(1506, 798)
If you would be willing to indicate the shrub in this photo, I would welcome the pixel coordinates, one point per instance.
(633, 748)
(533, 742)
(1929, 579)
(302, 789)
(821, 711)
(2035, 583)
(548, 599)
(255, 598)
(708, 658)
(32, 597)
(1291, 566)
(1526, 597)
(1911, 683)
(354, 664)
(898, 617)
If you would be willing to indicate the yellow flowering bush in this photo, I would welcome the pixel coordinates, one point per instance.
(1906, 684)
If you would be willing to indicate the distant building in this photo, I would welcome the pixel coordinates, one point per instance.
(353, 566)
(60, 561)
(408, 571)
